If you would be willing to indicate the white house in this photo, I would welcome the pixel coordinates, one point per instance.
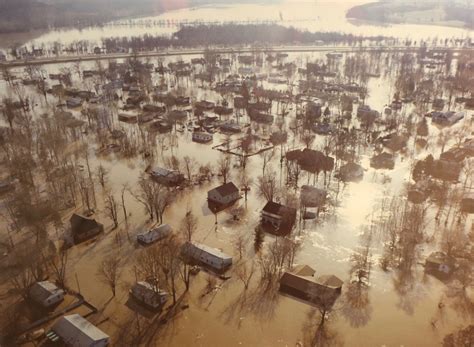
(149, 295)
(224, 194)
(202, 137)
(75, 331)
(154, 234)
(46, 294)
(206, 255)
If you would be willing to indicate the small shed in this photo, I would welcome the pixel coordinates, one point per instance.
(439, 263)
(76, 331)
(148, 294)
(167, 177)
(202, 137)
(154, 234)
(46, 294)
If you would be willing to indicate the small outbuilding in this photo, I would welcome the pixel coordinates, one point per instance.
(155, 234)
(149, 295)
(202, 137)
(46, 294)
(167, 177)
(439, 263)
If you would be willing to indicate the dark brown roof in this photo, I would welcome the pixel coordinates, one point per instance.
(272, 207)
(330, 281)
(278, 209)
(227, 189)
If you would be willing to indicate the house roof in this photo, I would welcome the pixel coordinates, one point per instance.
(278, 209)
(80, 223)
(330, 281)
(304, 270)
(195, 247)
(437, 258)
(41, 291)
(226, 189)
(77, 331)
(272, 207)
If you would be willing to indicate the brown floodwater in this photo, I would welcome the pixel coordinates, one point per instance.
(406, 315)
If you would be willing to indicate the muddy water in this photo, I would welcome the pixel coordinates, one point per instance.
(307, 15)
(226, 318)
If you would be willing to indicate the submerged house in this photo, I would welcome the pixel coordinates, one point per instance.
(202, 254)
(149, 295)
(278, 216)
(302, 284)
(167, 177)
(351, 172)
(447, 118)
(467, 202)
(439, 263)
(383, 161)
(224, 194)
(155, 234)
(74, 102)
(76, 331)
(84, 228)
(46, 294)
(201, 137)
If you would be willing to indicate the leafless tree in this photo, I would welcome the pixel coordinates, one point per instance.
(189, 225)
(189, 165)
(223, 167)
(102, 173)
(267, 157)
(58, 264)
(111, 207)
(109, 272)
(239, 244)
(245, 273)
(267, 186)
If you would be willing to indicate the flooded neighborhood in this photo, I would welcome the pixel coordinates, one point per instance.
(241, 173)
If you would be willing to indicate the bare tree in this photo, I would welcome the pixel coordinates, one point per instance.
(267, 186)
(267, 157)
(102, 173)
(109, 272)
(58, 264)
(189, 165)
(223, 167)
(239, 244)
(111, 207)
(189, 225)
(245, 273)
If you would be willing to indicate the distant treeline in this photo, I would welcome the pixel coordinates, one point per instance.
(232, 34)
(390, 11)
(27, 15)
